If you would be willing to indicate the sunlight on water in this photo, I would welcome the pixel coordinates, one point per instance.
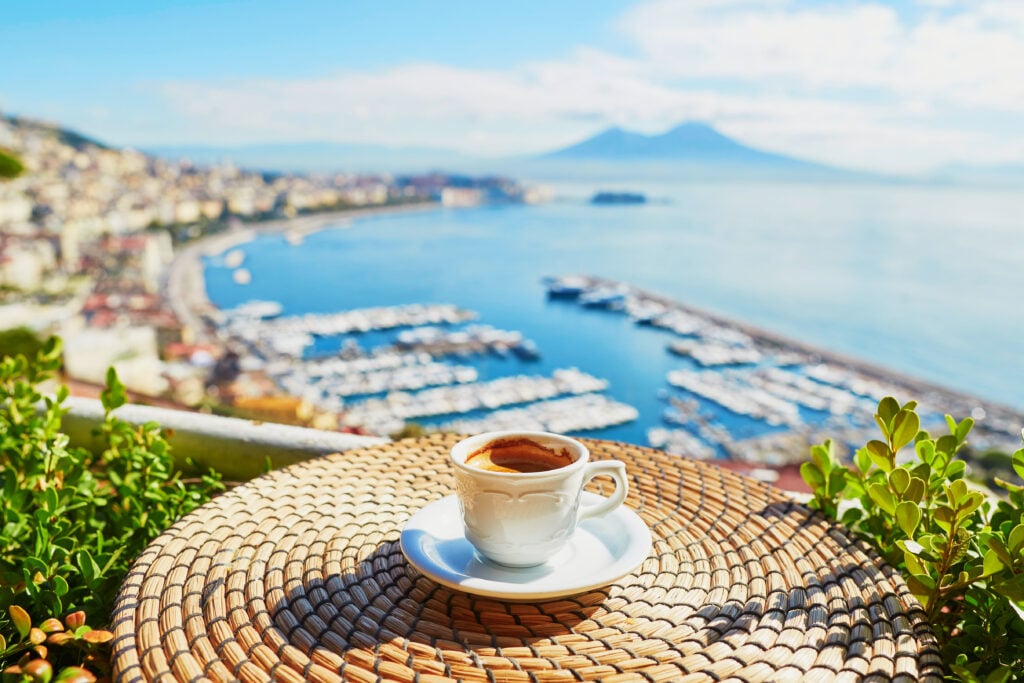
(921, 280)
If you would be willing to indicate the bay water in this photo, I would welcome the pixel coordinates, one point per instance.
(926, 280)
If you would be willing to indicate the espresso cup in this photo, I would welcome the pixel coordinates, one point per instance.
(519, 493)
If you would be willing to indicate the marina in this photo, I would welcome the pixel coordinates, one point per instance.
(387, 415)
(409, 374)
(801, 395)
(729, 390)
(724, 388)
(291, 336)
(713, 354)
(402, 378)
(473, 339)
(564, 415)
(680, 442)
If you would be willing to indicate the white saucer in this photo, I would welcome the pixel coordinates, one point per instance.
(602, 550)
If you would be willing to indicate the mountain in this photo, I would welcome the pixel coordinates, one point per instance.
(687, 143)
(307, 157)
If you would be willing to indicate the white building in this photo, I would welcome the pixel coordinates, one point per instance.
(132, 351)
(23, 265)
(15, 208)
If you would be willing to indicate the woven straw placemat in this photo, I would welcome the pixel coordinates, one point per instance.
(298, 575)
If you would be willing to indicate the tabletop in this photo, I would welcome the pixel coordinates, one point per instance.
(298, 575)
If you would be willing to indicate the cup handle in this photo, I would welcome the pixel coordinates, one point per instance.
(617, 471)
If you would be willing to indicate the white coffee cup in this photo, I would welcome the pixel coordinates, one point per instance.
(522, 519)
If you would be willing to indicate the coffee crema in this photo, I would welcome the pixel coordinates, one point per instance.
(518, 456)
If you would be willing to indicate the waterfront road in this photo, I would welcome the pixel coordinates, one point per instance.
(186, 287)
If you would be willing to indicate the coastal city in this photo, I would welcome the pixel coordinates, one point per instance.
(88, 234)
(652, 340)
(106, 248)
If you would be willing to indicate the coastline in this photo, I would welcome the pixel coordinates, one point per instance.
(188, 297)
(186, 284)
(955, 401)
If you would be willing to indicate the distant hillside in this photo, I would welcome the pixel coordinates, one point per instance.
(687, 143)
(65, 135)
(306, 157)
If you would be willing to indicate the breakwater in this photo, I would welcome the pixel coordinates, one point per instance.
(810, 392)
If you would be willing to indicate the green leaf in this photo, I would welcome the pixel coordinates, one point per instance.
(997, 546)
(881, 495)
(904, 428)
(888, 408)
(822, 456)
(114, 395)
(60, 585)
(956, 469)
(811, 474)
(933, 543)
(51, 350)
(971, 503)
(879, 453)
(963, 429)
(923, 581)
(951, 423)
(1012, 588)
(946, 443)
(50, 500)
(915, 491)
(944, 516)
(993, 564)
(21, 620)
(963, 674)
(908, 516)
(999, 675)
(956, 492)
(851, 517)
(922, 471)
(836, 482)
(1008, 486)
(899, 480)
(90, 570)
(926, 451)
(913, 562)
(854, 485)
(862, 460)
(959, 545)
(882, 426)
(1018, 462)
(1015, 541)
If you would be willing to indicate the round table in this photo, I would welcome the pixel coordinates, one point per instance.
(298, 575)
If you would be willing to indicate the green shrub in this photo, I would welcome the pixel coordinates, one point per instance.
(19, 340)
(960, 548)
(72, 522)
(10, 165)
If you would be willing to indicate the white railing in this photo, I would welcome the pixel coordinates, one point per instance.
(238, 449)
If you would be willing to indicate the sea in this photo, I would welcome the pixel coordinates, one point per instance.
(926, 280)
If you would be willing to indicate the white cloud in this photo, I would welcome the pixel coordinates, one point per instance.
(832, 47)
(402, 105)
(971, 58)
(856, 84)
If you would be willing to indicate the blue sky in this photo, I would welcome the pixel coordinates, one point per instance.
(896, 86)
